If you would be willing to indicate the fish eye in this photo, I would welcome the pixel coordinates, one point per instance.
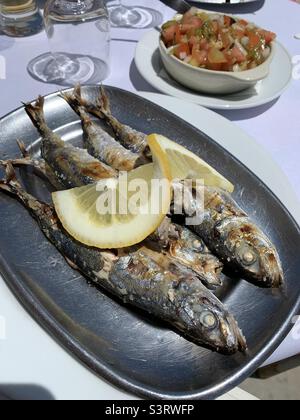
(208, 319)
(198, 245)
(247, 256)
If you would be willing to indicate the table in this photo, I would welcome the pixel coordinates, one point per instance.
(276, 127)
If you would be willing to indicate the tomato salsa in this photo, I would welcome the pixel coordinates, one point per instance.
(217, 42)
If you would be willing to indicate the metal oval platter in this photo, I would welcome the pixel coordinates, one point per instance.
(125, 346)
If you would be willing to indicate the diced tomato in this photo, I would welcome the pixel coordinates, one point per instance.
(193, 41)
(243, 22)
(182, 51)
(169, 33)
(238, 54)
(188, 15)
(216, 67)
(191, 32)
(226, 67)
(214, 51)
(231, 60)
(196, 21)
(268, 36)
(204, 45)
(178, 36)
(225, 38)
(187, 27)
(193, 24)
(227, 21)
(238, 33)
(216, 56)
(254, 40)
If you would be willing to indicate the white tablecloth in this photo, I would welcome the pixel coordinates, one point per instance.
(276, 127)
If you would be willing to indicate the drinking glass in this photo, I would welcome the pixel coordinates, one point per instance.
(20, 18)
(79, 36)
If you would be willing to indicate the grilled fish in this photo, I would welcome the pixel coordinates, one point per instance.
(141, 278)
(98, 142)
(67, 161)
(236, 240)
(130, 138)
(189, 250)
(176, 241)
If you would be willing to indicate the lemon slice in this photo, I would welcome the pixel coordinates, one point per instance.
(186, 165)
(117, 213)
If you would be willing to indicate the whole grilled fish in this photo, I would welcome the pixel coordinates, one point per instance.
(130, 138)
(141, 278)
(176, 241)
(98, 142)
(189, 250)
(67, 161)
(236, 240)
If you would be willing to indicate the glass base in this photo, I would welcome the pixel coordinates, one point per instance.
(124, 16)
(22, 26)
(67, 69)
(137, 17)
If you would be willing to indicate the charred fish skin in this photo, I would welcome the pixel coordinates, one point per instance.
(139, 279)
(189, 249)
(182, 245)
(179, 299)
(237, 241)
(98, 142)
(67, 161)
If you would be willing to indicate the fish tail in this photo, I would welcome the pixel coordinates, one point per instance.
(23, 149)
(77, 94)
(36, 113)
(10, 182)
(103, 103)
(77, 104)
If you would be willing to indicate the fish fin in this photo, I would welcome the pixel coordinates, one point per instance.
(10, 173)
(103, 104)
(10, 182)
(77, 94)
(23, 149)
(36, 112)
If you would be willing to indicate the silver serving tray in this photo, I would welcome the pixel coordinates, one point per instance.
(123, 345)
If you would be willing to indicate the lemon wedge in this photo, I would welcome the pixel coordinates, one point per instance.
(186, 165)
(117, 213)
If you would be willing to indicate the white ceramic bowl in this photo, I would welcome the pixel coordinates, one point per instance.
(210, 81)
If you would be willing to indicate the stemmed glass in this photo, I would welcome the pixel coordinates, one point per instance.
(139, 17)
(79, 37)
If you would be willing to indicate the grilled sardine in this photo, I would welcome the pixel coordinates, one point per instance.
(141, 278)
(98, 142)
(130, 138)
(231, 235)
(67, 161)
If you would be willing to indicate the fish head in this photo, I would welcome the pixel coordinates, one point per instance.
(209, 322)
(191, 250)
(248, 247)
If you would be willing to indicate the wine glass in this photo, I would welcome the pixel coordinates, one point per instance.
(79, 37)
(138, 17)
